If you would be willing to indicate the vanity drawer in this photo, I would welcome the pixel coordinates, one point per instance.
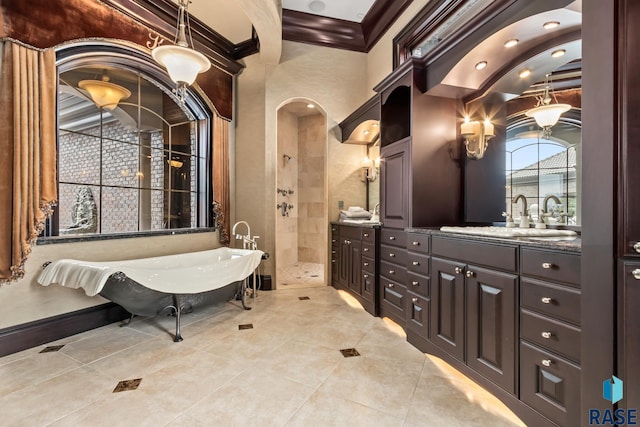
(389, 236)
(418, 284)
(369, 265)
(556, 266)
(392, 298)
(550, 385)
(551, 334)
(368, 249)
(550, 299)
(350, 233)
(393, 254)
(418, 314)
(394, 272)
(480, 253)
(418, 242)
(418, 263)
(369, 235)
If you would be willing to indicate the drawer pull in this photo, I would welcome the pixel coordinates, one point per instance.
(636, 247)
(366, 276)
(366, 234)
(392, 237)
(392, 272)
(547, 265)
(546, 335)
(333, 252)
(415, 283)
(458, 270)
(391, 285)
(547, 362)
(636, 273)
(366, 264)
(546, 300)
(415, 243)
(414, 300)
(333, 229)
(470, 273)
(415, 263)
(333, 240)
(333, 261)
(392, 255)
(365, 250)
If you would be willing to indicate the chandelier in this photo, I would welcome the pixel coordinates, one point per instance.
(103, 93)
(182, 62)
(545, 113)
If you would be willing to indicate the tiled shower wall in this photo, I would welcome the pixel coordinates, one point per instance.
(312, 135)
(287, 177)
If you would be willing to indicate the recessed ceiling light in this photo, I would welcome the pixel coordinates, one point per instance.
(551, 24)
(524, 73)
(311, 106)
(480, 65)
(558, 53)
(317, 6)
(511, 42)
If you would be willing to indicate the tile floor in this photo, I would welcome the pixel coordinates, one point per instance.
(301, 275)
(287, 370)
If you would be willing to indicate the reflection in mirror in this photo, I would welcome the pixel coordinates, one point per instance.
(544, 170)
(373, 187)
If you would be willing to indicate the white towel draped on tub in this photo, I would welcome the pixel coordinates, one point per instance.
(188, 273)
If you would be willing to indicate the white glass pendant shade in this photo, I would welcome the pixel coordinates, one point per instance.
(548, 115)
(105, 94)
(182, 63)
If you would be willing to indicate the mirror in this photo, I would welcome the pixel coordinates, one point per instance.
(373, 186)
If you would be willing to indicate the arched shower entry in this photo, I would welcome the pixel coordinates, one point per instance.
(301, 195)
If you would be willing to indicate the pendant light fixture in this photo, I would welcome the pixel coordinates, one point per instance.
(103, 93)
(545, 113)
(182, 62)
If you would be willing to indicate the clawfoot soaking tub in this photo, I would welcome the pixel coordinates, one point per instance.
(148, 286)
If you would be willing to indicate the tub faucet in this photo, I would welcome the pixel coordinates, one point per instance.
(248, 242)
(524, 215)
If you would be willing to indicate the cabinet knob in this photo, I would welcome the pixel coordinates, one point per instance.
(333, 261)
(547, 265)
(470, 273)
(392, 272)
(333, 252)
(414, 300)
(391, 285)
(333, 240)
(365, 250)
(547, 362)
(415, 263)
(333, 229)
(366, 276)
(636, 273)
(366, 234)
(546, 335)
(636, 247)
(415, 283)
(458, 270)
(546, 300)
(366, 264)
(392, 237)
(415, 243)
(392, 255)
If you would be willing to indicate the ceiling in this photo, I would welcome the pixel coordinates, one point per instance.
(352, 10)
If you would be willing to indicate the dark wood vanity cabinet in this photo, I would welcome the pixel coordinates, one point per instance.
(474, 306)
(394, 184)
(354, 263)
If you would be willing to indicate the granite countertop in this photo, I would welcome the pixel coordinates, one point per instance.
(573, 245)
(358, 224)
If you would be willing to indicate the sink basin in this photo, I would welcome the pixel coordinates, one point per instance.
(492, 231)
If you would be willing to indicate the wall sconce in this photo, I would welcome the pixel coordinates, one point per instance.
(476, 137)
(370, 169)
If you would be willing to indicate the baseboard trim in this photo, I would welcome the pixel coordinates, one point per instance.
(27, 335)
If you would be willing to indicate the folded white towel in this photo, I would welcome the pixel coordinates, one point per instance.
(355, 214)
(355, 209)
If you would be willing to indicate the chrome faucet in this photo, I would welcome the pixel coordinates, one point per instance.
(545, 210)
(248, 242)
(524, 215)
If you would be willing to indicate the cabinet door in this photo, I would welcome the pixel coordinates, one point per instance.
(344, 267)
(355, 266)
(394, 184)
(491, 325)
(629, 332)
(447, 306)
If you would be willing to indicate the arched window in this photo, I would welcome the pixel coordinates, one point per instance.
(139, 163)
